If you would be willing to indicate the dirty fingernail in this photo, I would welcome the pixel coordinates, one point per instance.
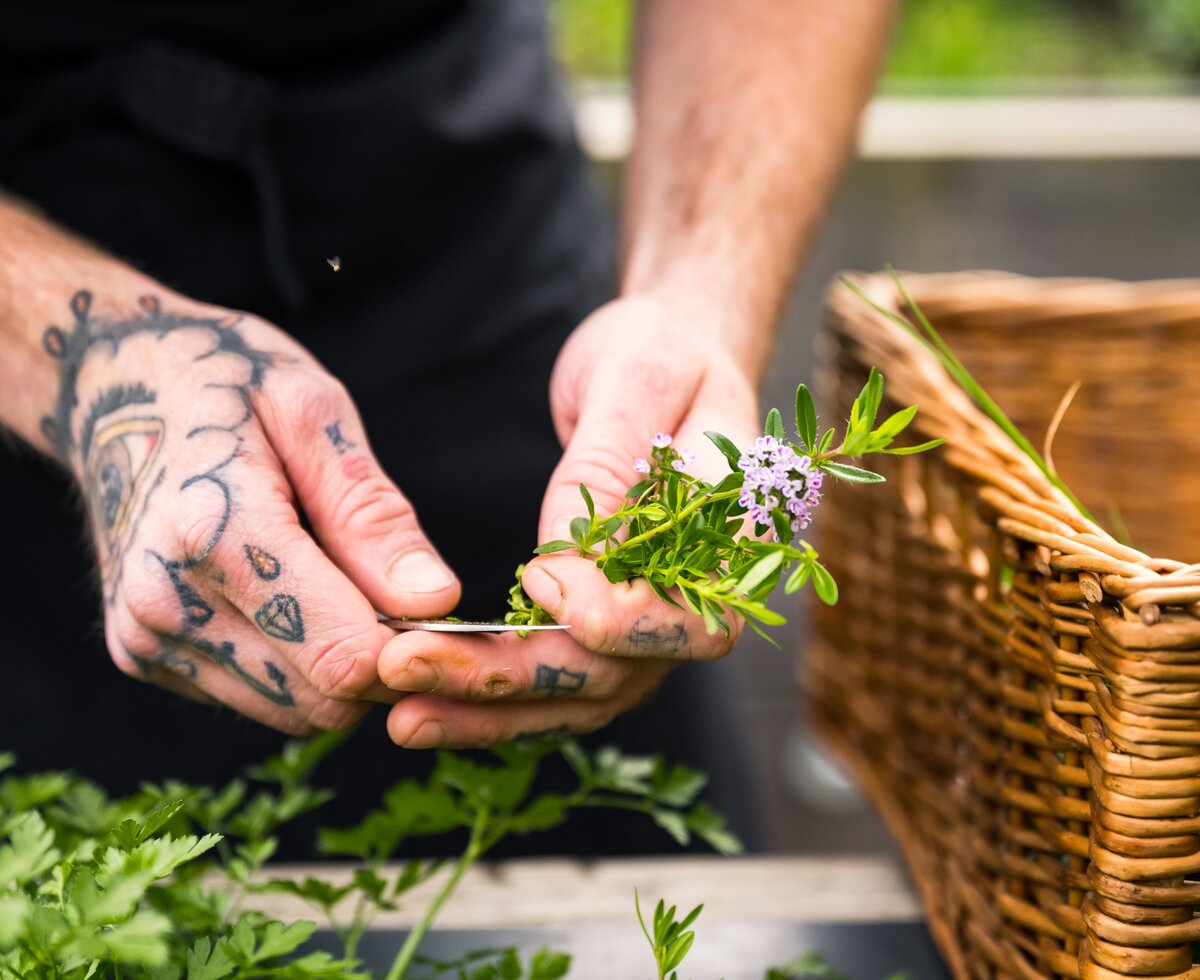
(543, 589)
(420, 571)
(419, 677)
(431, 735)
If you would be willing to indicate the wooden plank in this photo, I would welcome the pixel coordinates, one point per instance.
(547, 892)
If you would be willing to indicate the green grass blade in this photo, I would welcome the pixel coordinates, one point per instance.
(937, 345)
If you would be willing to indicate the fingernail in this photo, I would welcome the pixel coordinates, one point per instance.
(419, 677)
(560, 529)
(420, 571)
(543, 588)
(430, 735)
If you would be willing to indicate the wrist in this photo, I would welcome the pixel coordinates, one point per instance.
(708, 318)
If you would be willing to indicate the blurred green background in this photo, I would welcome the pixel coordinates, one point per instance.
(959, 40)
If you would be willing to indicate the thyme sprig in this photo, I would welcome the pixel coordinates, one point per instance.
(687, 537)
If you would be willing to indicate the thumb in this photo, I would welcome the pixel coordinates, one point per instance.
(362, 520)
(615, 426)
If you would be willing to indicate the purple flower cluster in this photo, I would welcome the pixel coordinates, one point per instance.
(664, 457)
(776, 475)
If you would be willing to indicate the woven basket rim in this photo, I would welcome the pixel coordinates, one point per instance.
(1031, 506)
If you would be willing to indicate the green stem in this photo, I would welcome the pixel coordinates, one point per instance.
(358, 926)
(687, 511)
(475, 848)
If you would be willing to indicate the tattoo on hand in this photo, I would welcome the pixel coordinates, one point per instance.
(339, 441)
(558, 682)
(280, 617)
(117, 456)
(645, 638)
(266, 566)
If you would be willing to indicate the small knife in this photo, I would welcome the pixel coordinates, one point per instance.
(449, 626)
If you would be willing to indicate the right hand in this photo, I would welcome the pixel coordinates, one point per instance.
(199, 438)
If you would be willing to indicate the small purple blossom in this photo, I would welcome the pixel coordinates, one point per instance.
(661, 440)
(641, 465)
(775, 476)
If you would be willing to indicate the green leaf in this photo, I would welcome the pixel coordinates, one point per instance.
(140, 939)
(314, 890)
(208, 962)
(826, 441)
(549, 965)
(580, 526)
(896, 423)
(852, 474)
(674, 824)
(677, 786)
(910, 450)
(773, 426)
(15, 911)
(824, 584)
(615, 571)
(758, 572)
(276, 939)
(652, 512)
(707, 824)
(587, 499)
(692, 532)
(731, 452)
(799, 577)
(806, 418)
(550, 547)
(30, 851)
(612, 525)
(663, 594)
(545, 812)
(678, 949)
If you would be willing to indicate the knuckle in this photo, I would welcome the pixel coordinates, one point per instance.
(340, 664)
(198, 529)
(150, 605)
(306, 400)
(371, 506)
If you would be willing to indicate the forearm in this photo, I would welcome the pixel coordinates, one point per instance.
(745, 116)
(42, 267)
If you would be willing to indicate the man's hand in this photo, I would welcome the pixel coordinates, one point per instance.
(200, 437)
(635, 367)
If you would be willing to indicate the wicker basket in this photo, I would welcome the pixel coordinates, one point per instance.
(1019, 692)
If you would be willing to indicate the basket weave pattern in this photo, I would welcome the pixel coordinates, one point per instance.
(1019, 692)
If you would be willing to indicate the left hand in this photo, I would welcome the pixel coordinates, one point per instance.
(634, 367)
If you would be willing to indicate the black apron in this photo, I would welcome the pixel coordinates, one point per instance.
(428, 146)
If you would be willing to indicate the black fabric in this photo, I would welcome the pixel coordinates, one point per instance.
(230, 163)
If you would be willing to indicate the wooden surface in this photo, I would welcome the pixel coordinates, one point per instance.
(559, 892)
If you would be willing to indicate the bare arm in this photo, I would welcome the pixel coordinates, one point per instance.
(746, 113)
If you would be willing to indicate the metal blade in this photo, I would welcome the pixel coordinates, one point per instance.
(450, 626)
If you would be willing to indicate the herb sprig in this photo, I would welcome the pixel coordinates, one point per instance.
(686, 537)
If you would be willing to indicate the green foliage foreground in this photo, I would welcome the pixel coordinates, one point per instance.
(155, 885)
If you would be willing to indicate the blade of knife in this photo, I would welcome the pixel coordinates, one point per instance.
(449, 626)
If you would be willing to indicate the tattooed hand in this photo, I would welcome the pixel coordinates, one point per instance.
(630, 369)
(198, 438)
